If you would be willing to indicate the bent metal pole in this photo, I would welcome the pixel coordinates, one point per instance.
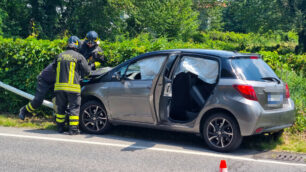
(24, 94)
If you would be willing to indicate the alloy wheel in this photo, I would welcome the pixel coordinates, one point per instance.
(220, 132)
(94, 118)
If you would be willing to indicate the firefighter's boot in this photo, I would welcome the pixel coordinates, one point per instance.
(23, 113)
(60, 127)
(74, 130)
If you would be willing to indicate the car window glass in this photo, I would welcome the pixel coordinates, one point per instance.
(252, 69)
(206, 69)
(122, 70)
(145, 69)
(169, 64)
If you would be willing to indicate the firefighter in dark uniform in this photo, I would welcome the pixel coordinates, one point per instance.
(45, 82)
(91, 51)
(71, 66)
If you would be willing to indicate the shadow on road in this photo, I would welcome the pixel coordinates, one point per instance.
(145, 138)
(42, 131)
(138, 146)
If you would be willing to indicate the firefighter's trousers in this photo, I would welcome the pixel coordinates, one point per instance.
(68, 102)
(42, 89)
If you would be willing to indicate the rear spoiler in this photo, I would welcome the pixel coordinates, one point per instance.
(249, 56)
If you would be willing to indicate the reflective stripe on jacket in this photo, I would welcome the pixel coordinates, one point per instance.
(71, 66)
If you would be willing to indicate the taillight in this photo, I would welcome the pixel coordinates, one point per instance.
(258, 130)
(287, 91)
(246, 91)
(253, 57)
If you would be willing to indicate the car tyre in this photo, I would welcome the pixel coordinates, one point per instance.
(93, 118)
(221, 132)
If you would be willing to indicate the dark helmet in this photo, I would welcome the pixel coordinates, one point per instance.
(91, 37)
(74, 42)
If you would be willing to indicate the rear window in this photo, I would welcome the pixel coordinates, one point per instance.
(252, 69)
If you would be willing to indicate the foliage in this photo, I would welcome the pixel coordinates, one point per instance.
(262, 16)
(2, 16)
(82, 16)
(55, 18)
(170, 18)
(255, 16)
(211, 14)
(21, 61)
(16, 20)
(174, 19)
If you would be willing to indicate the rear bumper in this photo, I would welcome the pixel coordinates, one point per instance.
(250, 115)
(274, 129)
(275, 120)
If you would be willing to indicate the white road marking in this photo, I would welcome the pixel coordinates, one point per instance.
(151, 148)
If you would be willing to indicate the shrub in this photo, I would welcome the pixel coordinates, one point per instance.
(297, 87)
(21, 61)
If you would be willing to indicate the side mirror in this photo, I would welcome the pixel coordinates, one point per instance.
(117, 76)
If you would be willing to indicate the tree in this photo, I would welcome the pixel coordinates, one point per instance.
(294, 11)
(2, 17)
(262, 16)
(81, 16)
(171, 18)
(211, 13)
(15, 21)
(254, 16)
(45, 16)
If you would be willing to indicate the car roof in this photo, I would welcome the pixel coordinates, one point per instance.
(218, 53)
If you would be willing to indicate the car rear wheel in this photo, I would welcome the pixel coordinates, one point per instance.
(93, 118)
(221, 132)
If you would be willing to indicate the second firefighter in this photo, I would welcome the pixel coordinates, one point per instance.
(71, 66)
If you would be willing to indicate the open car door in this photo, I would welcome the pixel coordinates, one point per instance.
(186, 87)
(163, 90)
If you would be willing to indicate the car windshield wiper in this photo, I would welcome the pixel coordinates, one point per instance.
(271, 78)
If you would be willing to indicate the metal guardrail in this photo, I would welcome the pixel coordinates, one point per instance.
(24, 94)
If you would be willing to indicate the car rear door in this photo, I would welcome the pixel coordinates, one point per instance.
(131, 98)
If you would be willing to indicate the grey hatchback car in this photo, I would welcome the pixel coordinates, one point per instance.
(220, 95)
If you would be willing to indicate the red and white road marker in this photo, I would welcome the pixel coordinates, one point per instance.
(223, 167)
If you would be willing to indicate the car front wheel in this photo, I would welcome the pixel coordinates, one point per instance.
(221, 132)
(93, 118)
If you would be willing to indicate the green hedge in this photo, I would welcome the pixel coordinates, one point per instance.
(21, 60)
(281, 42)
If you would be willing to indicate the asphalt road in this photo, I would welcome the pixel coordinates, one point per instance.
(45, 150)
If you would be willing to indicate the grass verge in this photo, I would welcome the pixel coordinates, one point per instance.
(287, 142)
(9, 120)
